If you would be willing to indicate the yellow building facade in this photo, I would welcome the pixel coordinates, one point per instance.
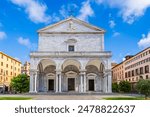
(9, 67)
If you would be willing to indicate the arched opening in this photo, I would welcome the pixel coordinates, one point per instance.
(46, 75)
(70, 70)
(95, 75)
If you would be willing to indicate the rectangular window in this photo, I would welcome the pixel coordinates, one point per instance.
(137, 72)
(132, 72)
(1, 63)
(71, 48)
(147, 69)
(141, 70)
(129, 75)
(126, 75)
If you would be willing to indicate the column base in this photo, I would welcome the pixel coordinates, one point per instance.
(32, 91)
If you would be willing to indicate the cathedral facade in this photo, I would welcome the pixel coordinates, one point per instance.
(70, 57)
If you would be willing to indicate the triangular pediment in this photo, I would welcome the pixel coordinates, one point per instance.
(71, 25)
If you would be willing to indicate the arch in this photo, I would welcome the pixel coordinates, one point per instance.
(44, 63)
(72, 62)
(70, 68)
(91, 69)
(50, 69)
(95, 62)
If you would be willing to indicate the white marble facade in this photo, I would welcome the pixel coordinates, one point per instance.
(70, 57)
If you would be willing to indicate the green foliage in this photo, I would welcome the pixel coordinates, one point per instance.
(115, 87)
(20, 83)
(124, 98)
(125, 86)
(143, 86)
(15, 98)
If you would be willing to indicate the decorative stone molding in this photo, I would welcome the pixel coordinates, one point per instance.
(71, 41)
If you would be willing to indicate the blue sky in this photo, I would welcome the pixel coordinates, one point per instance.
(127, 25)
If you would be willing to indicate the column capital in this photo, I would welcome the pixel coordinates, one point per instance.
(58, 71)
(82, 71)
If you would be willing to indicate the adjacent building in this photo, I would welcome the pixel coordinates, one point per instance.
(9, 67)
(25, 68)
(71, 57)
(133, 68)
(118, 73)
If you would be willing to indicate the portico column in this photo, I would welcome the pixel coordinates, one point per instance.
(84, 79)
(109, 82)
(60, 82)
(56, 82)
(105, 84)
(81, 83)
(33, 81)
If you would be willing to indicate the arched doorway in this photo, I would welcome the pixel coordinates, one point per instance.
(95, 75)
(70, 70)
(46, 75)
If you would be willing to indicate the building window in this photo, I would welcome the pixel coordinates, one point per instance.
(129, 74)
(146, 76)
(132, 72)
(6, 72)
(141, 70)
(71, 48)
(136, 71)
(1, 63)
(147, 69)
(126, 75)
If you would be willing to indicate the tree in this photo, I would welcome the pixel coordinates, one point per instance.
(125, 86)
(115, 87)
(143, 86)
(20, 83)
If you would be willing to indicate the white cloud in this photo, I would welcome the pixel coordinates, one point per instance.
(36, 11)
(64, 11)
(55, 18)
(145, 41)
(86, 11)
(115, 34)
(130, 10)
(2, 35)
(112, 24)
(26, 42)
(67, 10)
